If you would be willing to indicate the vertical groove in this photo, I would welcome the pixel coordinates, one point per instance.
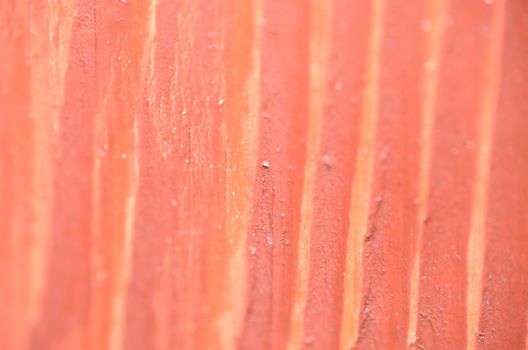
(148, 304)
(47, 87)
(116, 334)
(484, 142)
(319, 27)
(145, 57)
(442, 272)
(239, 138)
(388, 239)
(504, 297)
(67, 285)
(232, 174)
(275, 222)
(48, 60)
(361, 186)
(438, 17)
(342, 106)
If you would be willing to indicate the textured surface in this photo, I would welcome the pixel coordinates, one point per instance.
(263, 174)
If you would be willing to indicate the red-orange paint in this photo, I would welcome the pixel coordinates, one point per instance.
(389, 240)
(262, 174)
(341, 113)
(442, 303)
(273, 235)
(503, 317)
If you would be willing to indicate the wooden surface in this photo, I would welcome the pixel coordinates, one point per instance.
(263, 174)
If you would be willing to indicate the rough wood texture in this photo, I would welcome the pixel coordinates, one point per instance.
(263, 174)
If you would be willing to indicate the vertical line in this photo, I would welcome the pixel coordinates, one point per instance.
(240, 139)
(361, 187)
(275, 221)
(438, 11)
(319, 22)
(116, 336)
(240, 264)
(43, 111)
(526, 342)
(50, 60)
(489, 100)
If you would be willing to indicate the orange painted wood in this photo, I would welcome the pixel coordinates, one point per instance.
(263, 174)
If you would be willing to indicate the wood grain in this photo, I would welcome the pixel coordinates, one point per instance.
(263, 174)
